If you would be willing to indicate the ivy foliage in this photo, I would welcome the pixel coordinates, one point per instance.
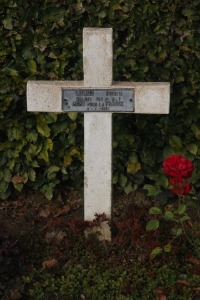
(42, 40)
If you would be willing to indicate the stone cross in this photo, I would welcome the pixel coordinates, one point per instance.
(98, 97)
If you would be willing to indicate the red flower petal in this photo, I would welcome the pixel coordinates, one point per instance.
(178, 166)
(180, 186)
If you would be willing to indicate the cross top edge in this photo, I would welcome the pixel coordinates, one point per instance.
(95, 29)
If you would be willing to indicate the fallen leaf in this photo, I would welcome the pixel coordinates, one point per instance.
(50, 236)
(183, 282)
(162, 297)
(158, 291)
(4, 204)
(62, 211)
(42, 48)
(47, 264)
(115, 211)
(194, 260)
(56, 236)
(44, 213)
(17, 203)
(60, 236)
(51, 75)
(15, 294)
(17, 179)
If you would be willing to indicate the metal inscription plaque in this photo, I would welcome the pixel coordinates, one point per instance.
(99, 100)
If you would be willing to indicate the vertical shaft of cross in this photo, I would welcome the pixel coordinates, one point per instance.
(97, 64)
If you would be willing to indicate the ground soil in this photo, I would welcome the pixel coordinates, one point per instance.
(27, 215)
(23, 211)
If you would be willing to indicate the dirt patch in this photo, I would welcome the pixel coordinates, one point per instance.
(46, 239)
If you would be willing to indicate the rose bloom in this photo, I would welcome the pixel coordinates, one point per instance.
(178, 166)
(180, 186)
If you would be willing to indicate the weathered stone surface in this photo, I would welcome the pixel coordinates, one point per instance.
(97, 62)
(97, 164)
(150, 97)
(46, 96)
(97, 57)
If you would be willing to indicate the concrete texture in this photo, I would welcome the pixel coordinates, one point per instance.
(97, 164)
(97, 63)
(97, 57)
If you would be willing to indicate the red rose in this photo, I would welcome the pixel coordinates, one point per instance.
(178, 166)
(180, 186)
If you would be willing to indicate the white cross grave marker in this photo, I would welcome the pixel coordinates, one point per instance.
(98, 97)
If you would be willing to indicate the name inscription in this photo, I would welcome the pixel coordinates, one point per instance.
(99, 100)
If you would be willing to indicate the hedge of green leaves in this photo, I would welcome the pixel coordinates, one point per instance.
(153, 41)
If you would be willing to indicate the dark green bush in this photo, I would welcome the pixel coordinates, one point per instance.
(153, 41)
(97, 282)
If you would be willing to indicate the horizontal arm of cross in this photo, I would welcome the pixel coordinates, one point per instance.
(150, 97)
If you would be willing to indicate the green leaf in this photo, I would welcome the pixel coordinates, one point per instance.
(133, 167)
(7, 23)
(18, 186)
(34, 164)
(52, 116)
(156, 251)
(133, 157)
(138, 178)
(175, 142)
(152, 225)
(168, 150)
(27, 53)
(177, 231)
(169, 214)
(196, 131)
(11, 164)
(116, 6)
(52, 169)
(32, 66)
(167, 248)
(185, 218)
(188, 12)
(44, 154)
(47, 189)
(31, 174)
(122, 180)
(153, 190)
(49, 193)
(155, 211)
(179, 78)
(32, 136)
(7, 175)
(128, 188)
(63, 171)
(181, 209)
(102, 14)
(193, 148)
(73, 115)
(15, 133)
(164, 196)
(115, 178)
(115, 144)
(42, 126)
(49, 144)
(163, 181)
(67, 160)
